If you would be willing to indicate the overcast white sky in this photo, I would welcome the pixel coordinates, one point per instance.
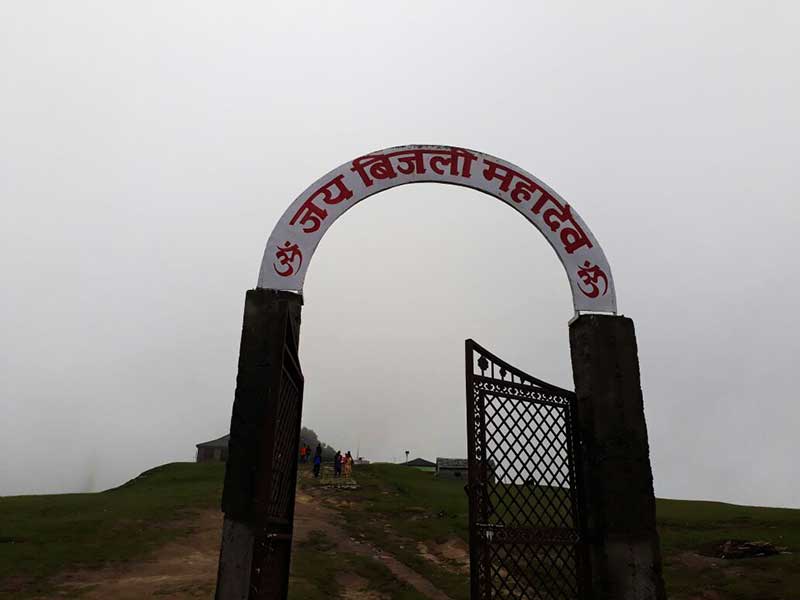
(147, 149)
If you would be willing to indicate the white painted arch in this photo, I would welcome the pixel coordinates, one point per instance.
(298, 232)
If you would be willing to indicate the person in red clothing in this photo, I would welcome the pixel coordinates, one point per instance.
(303, 453)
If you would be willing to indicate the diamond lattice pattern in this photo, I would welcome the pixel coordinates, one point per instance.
(285, 450)
(528, 532)
(527, 445)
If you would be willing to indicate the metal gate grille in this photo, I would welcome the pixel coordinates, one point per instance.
(272, 550)
(525, 540)
(284, 466)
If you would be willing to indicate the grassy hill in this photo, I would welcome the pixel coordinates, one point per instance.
(42, 535)
(423, 508)
(405, 512)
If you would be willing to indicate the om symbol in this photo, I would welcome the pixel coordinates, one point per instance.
(286, 256)
(591, 276)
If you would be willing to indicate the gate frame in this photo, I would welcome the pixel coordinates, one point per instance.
(624, 550)
(578, 499)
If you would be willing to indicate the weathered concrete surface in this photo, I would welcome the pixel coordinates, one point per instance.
(236, 559)
(624, 554)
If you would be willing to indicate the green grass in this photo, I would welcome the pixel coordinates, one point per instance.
(419, 507)
(42, 535)
(695, 527)
(316, 566)
(395, 508)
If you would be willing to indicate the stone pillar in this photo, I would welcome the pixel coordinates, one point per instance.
(620, 518)
(253, 422)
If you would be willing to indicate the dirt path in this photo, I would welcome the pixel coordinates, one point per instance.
(179, 570)
(187, 569)
(310, 516)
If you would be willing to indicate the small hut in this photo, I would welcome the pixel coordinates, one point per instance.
(213, 451)
(452, 468)
(421, 464)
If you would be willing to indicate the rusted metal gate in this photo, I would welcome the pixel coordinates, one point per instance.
(524, 491)
(273, 540)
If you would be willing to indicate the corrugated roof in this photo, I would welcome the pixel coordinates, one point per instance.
(451, 463)
(419, 462)
(217, 443)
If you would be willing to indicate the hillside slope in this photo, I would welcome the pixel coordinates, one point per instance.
(400, 536)
(41, 536)
(410, 513)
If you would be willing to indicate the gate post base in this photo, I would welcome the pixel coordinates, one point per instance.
(624, 559)
(235, 560)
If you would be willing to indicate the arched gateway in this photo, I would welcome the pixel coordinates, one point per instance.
(300, 229)
(536, 452)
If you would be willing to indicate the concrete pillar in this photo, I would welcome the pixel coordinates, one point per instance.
(624, 556)
(250, 450)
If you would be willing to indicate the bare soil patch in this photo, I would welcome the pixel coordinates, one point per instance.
(183, 569)
(186, 569)
(311, 515)
(452, 555)
(355, 588)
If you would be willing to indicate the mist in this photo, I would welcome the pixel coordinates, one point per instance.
(148, 149)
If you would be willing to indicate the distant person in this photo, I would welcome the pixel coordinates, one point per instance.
(348, 465)
(308, 453)
(337, 464)
(303, 453)
(317, 461)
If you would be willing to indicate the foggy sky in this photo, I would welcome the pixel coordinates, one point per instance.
(148, 148)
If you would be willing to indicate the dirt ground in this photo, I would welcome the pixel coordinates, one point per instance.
(179, 570)
(187, 569)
